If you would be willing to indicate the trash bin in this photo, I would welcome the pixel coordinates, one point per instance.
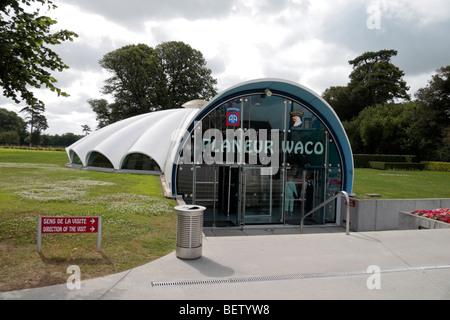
(189, 231)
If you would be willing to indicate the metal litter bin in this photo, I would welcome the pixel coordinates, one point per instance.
(189, 231)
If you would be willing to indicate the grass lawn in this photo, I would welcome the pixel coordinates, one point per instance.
(393, 184)
(139, 224)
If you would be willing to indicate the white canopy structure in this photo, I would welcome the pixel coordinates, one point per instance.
(152, 135)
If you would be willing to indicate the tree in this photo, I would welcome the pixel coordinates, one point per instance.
(10, 121)
(146, 79)
(37, 122)
(386, 128)
(86, 129)
(186, 75)
(433, 120)
(9, 137)
(104, 112)
(26, 57)
(435, 97)
(137, 80)
(12, 127)
(374, 80)
(339, 98)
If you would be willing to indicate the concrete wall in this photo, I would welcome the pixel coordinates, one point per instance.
(379, 215)
(408, 221)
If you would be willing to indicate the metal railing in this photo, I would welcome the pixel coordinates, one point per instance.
(347, 200)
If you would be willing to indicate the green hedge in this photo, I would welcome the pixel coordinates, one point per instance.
(436, 166)
(362, 160)
(396, 165)
(7, 146)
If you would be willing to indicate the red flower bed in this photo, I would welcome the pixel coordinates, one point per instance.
(435, 214)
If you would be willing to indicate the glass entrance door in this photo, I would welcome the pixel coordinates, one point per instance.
(261, 196)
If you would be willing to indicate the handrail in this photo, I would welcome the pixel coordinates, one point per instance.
(347, 200)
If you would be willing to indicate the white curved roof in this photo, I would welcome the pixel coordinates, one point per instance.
(152, 134)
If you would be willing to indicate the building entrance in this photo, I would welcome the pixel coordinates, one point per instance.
(258, 159)
(240, 195)
(236, 196)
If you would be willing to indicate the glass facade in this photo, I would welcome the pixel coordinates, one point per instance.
(96, 159)
(139, 161)
(260, 159)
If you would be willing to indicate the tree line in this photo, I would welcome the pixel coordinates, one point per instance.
(13, 131)
(379, 115)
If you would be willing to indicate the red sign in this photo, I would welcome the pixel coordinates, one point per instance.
(69, 224)
(352, 203)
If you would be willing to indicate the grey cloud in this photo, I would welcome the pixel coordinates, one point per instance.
(69, 114)
(269, 7)
(82, 56)
(421, 48)
(217, 64)
(134, 13)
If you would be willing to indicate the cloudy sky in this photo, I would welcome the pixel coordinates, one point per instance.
(309, 42)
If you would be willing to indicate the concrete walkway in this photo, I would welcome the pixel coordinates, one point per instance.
(323, 263)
